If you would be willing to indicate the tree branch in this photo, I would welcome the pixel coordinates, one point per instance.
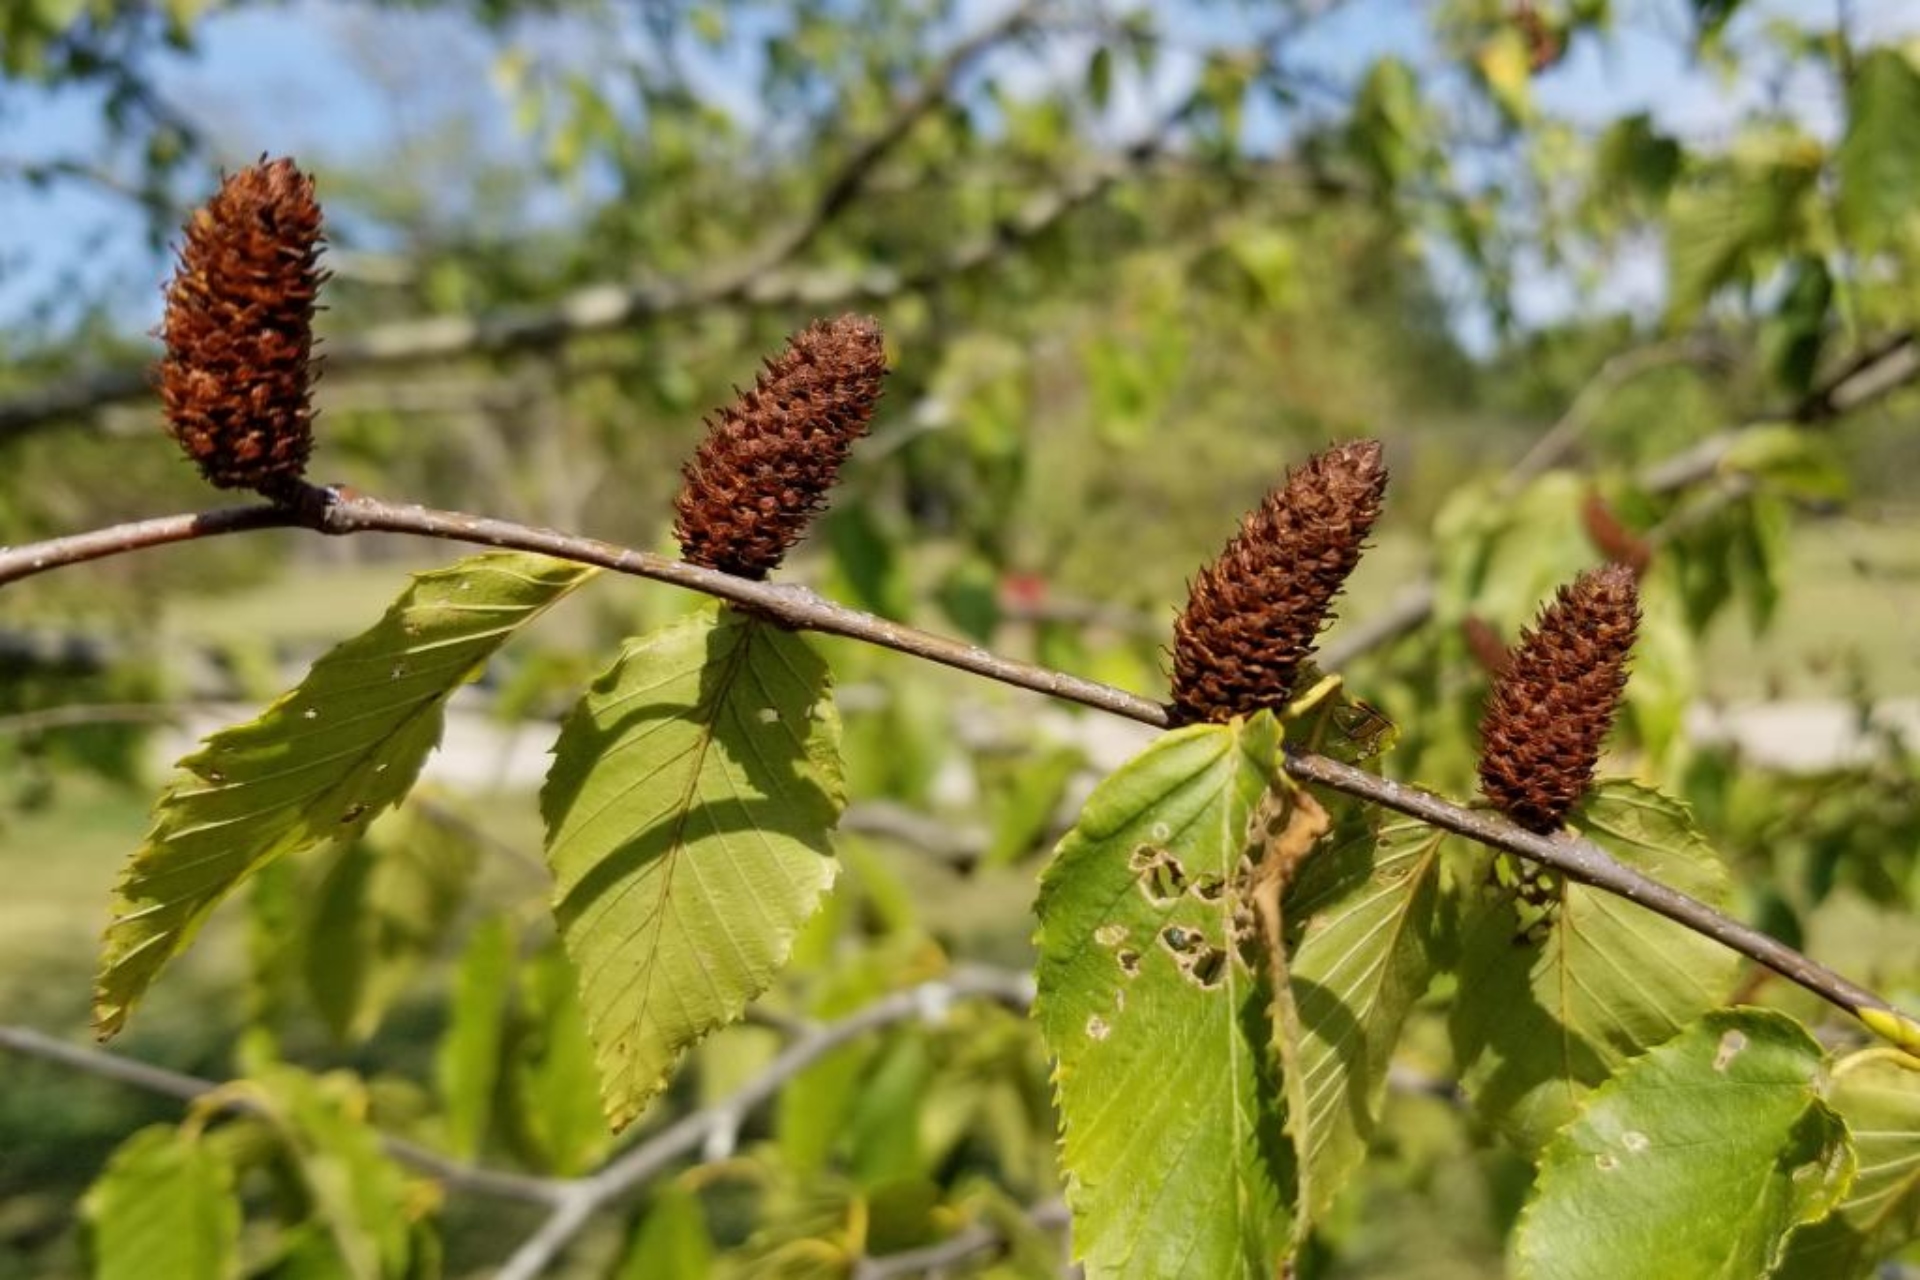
(1878, 374)
(174, 1084)
(966, 1243)
(607, 306)
(340, 512)
(574, 1200)
(720, 1120)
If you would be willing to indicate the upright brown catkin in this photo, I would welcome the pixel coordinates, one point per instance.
(771, 457)
(1549, 712)
(236, 378)
(1253, 614)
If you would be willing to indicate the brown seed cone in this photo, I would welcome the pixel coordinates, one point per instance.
(1550, 710)
(239, 331)
(1253, 614)
(770, 458)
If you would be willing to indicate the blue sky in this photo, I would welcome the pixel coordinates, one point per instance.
(335, 83)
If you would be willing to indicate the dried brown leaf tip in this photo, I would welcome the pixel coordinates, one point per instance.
(239, 331)
(1253, 614)
(1550, 710)
(771, 457)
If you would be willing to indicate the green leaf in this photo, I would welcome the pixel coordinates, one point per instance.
(358, 1195)
(1100, 77)
(320, 764)
(1022, 816)
(1175, 1159)
(164, 1206)
(1877, 1092)
(1790, 461)
(555, 1086)
(382, 912)
(1633, 161)
(1549, 1007)
(1498, 558)
(1368, 907)
(1879, 166)
(688, 813)
(1390, 131)
(673, 1242)
(467, 1060)
(1693, 1163)
(1720, 229)
(1505, 65)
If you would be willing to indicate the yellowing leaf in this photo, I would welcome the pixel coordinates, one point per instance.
(1877, 1092)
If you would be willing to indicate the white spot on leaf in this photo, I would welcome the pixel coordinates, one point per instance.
(1730, 1046)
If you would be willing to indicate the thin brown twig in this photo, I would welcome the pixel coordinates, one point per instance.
(802, 609)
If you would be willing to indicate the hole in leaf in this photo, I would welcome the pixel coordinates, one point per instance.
(1207, 966)
(1165, 880)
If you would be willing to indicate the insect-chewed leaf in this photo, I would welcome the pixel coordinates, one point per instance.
(1175, 1159)
(165, 1206)
(1693, 1163)
(1367, 906)
(1877, 1092)
(321, 763)
(688, 813)
(1547, 1011)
